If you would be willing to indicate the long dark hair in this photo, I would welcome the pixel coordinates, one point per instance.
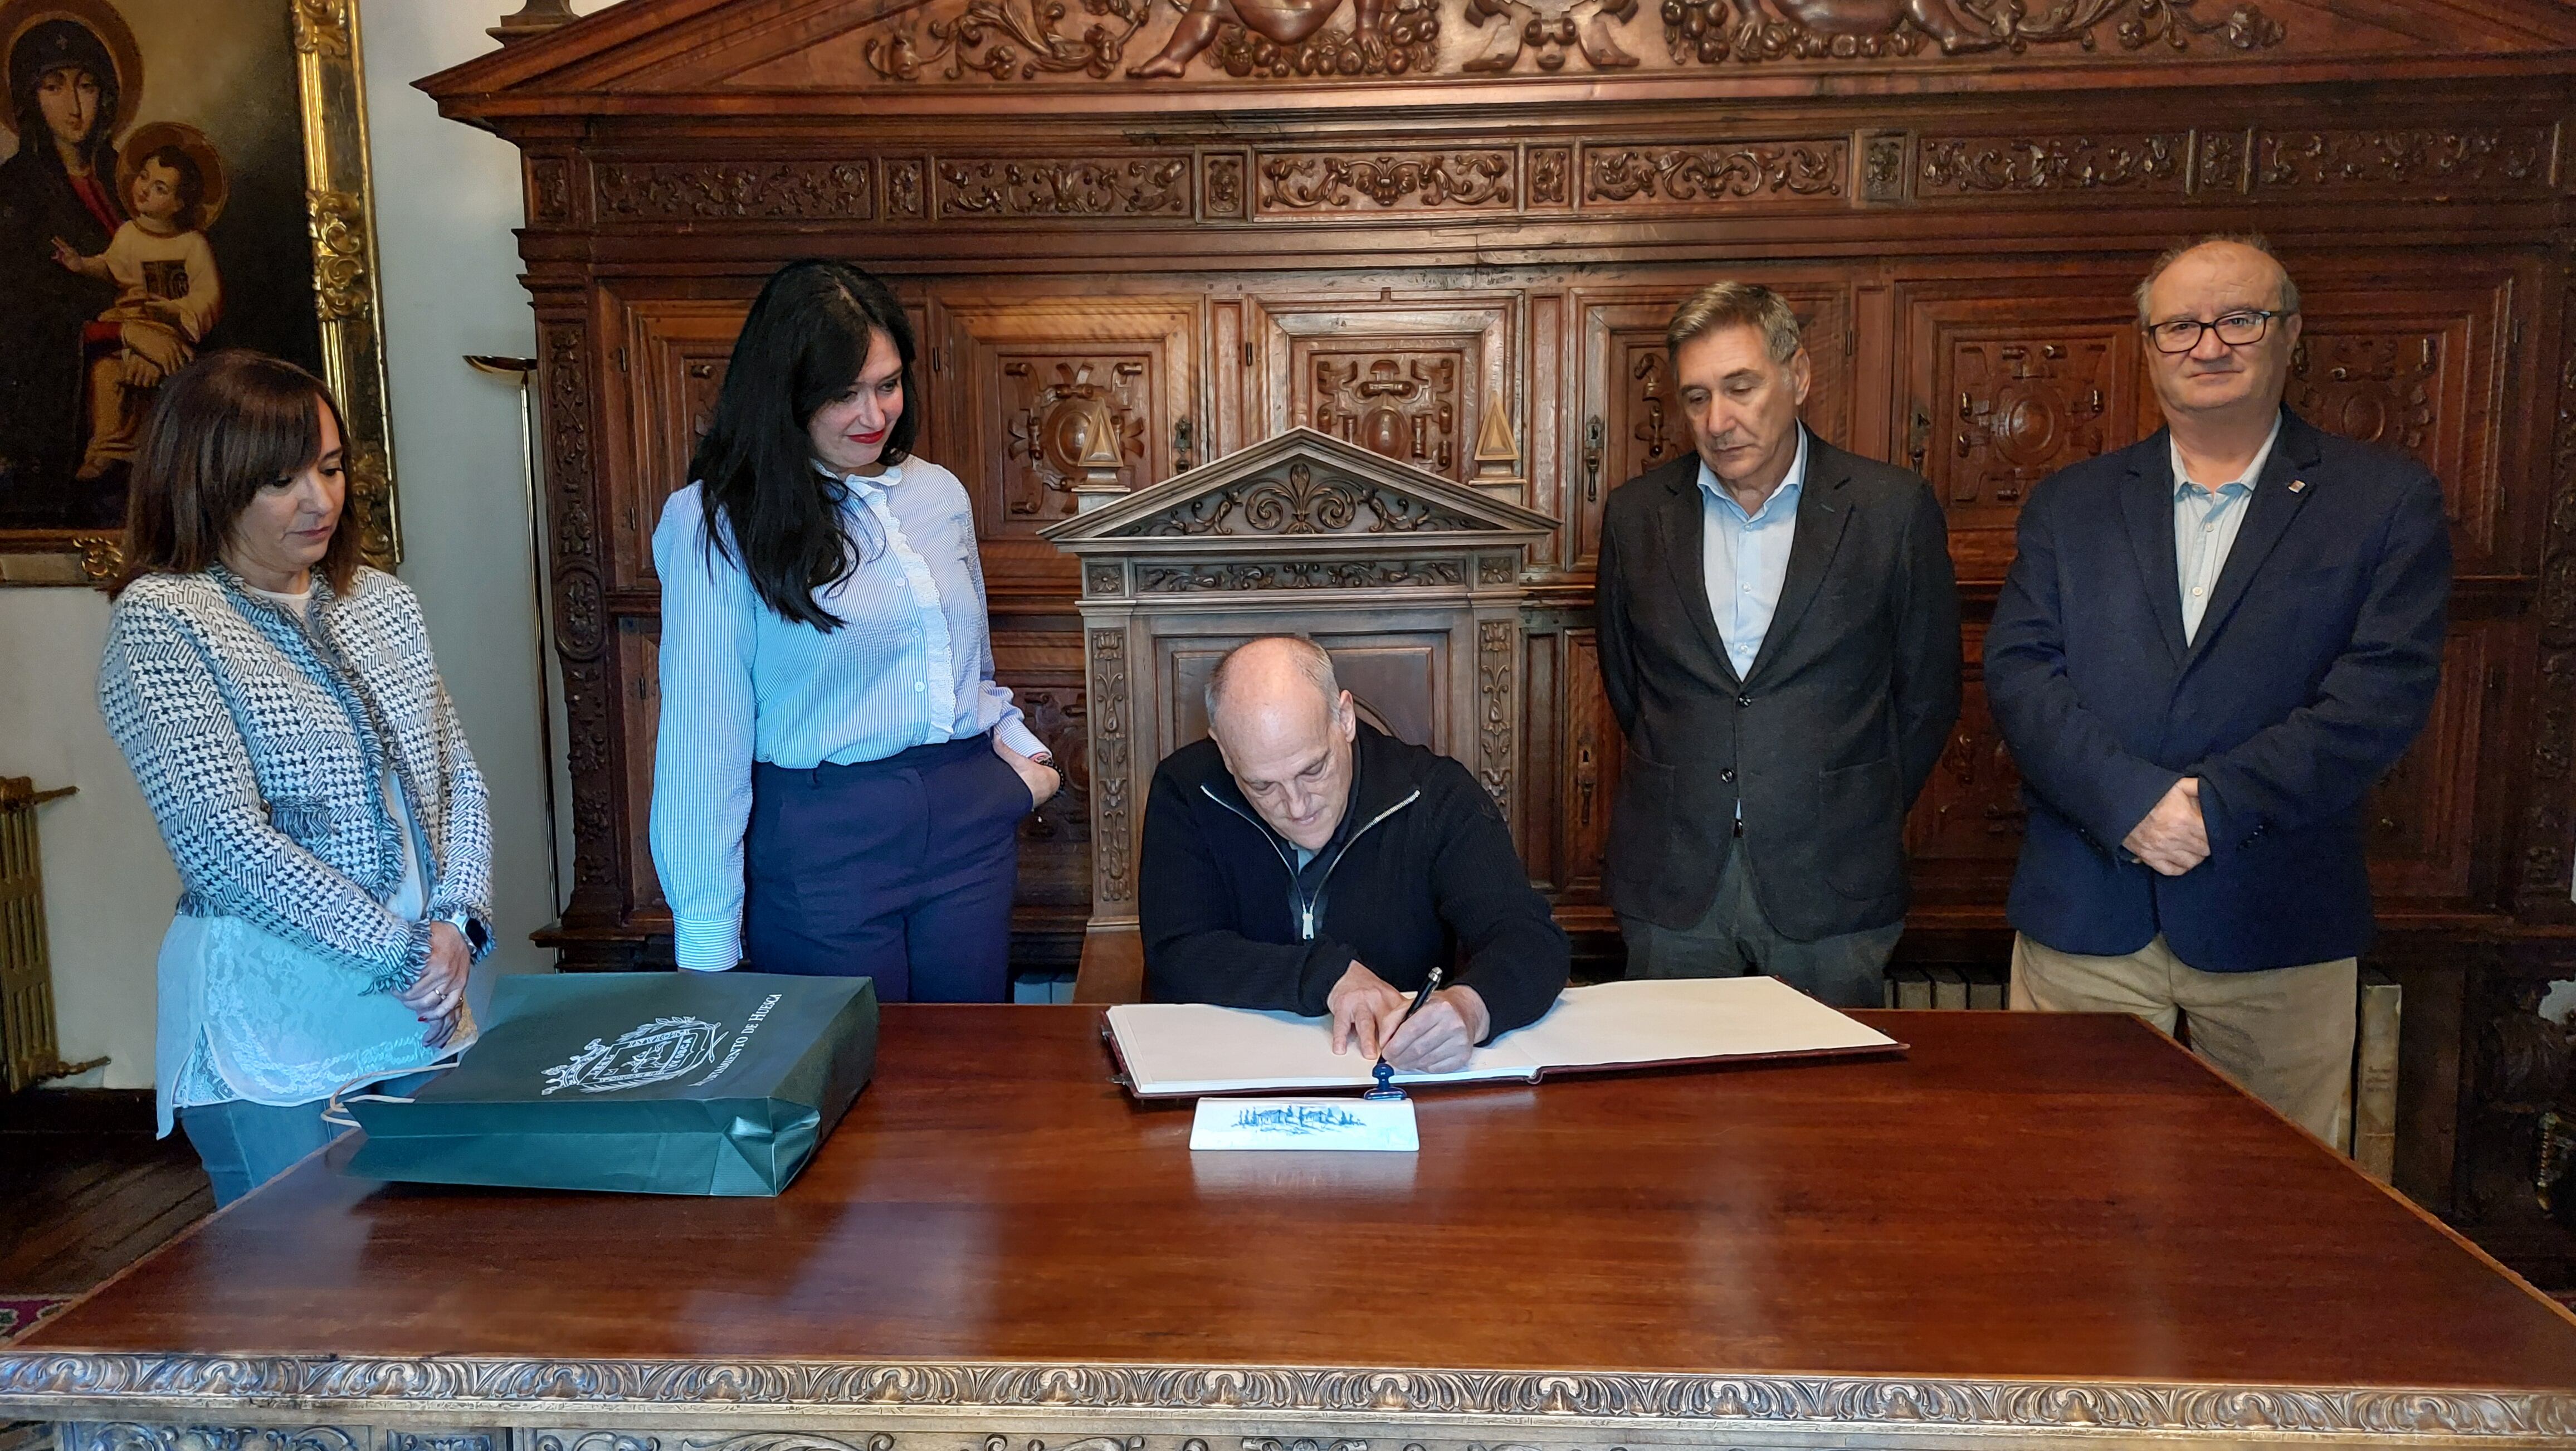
(65, 45)
(223, 428)
(801, 348)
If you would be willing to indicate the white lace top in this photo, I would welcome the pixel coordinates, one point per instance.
(228, 960)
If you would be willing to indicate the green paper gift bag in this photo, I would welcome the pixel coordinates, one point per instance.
(639, 1082)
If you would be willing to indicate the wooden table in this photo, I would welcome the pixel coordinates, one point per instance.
(2029, 1230)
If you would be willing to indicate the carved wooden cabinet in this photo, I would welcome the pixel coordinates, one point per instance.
(1411, 582)
(1448, 233)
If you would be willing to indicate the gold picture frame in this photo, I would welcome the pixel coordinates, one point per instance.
(339, 217)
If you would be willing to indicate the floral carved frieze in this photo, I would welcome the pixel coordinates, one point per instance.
(661, 191)
(1311, 182)
(1969, 166)
(1145, 186)
(749, 1441)
(1688, 174)
(1497, 642)
(1298, 502)
(1653, 176)
(2328, 160)
(1682, 1400)
(130, 1436)
(1109, 751)
(1299, 574)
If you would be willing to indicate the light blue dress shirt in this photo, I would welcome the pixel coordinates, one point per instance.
(911, 665)
(1745, 557)
(2205, 527)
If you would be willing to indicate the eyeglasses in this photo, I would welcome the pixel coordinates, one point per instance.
(2236, 329)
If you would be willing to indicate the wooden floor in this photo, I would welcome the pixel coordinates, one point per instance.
(85, 1190)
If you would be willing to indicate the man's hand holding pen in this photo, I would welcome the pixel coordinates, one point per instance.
(1366, 1010)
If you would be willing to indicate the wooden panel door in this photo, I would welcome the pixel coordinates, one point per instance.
(672, 364)
(1589, 773)
(1044, 673)
(2416, 362)
(1030, 380)
(2421, 822)
(1409, 377)
(1631, 406)
(639, 649)
(1965, 832)
(2008, 381)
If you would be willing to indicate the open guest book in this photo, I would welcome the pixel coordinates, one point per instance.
(1183, 1050)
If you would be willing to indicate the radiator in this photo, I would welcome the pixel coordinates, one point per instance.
(28, 1053)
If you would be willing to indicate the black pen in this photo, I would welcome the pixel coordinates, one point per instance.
(1430, 985)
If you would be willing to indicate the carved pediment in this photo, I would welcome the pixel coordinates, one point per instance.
(739, 55)
(1302, 483)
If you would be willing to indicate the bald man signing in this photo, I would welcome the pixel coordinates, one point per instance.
(1298, 860)
(2210, 646)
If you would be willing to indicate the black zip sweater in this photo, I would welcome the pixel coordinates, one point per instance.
(1421, 874)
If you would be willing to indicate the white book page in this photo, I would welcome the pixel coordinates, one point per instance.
(1680, 1019)
(1181, 1049)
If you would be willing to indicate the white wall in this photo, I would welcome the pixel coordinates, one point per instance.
(109, 885)
(447, 197)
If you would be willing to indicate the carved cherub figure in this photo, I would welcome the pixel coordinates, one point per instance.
(1284, 21)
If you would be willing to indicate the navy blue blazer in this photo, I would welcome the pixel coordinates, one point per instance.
(2313, 670)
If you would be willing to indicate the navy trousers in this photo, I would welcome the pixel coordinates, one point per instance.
(901, 870)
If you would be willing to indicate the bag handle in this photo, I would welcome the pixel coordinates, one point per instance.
(335, 1114)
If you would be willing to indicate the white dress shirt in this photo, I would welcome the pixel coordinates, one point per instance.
(2205, 526)
(1745, 557)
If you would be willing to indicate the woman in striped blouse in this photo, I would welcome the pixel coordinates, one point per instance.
(838, 783)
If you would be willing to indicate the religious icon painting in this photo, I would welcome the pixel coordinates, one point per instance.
(180, 176)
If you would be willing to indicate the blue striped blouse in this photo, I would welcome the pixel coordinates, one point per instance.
(912, 665)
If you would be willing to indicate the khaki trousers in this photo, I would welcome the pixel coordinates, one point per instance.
(2285, 1034)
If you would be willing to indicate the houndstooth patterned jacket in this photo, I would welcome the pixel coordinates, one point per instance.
(261, 748)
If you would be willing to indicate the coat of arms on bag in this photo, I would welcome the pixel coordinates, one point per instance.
(653, 1052)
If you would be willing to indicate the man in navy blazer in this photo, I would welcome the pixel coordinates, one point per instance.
(2210, 646)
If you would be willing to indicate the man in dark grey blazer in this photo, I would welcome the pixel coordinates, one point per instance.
(1779, 632)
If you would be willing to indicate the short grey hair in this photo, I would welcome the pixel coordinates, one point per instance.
(2174, 253)
(1736, 304)
(1312, 662)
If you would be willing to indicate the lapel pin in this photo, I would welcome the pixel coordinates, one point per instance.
(2298, 486)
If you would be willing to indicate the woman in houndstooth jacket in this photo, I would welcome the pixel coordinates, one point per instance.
(279, 706)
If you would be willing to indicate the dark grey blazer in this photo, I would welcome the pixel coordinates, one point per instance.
(1828, 738)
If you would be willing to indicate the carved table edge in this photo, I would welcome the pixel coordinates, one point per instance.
(71, 1385)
